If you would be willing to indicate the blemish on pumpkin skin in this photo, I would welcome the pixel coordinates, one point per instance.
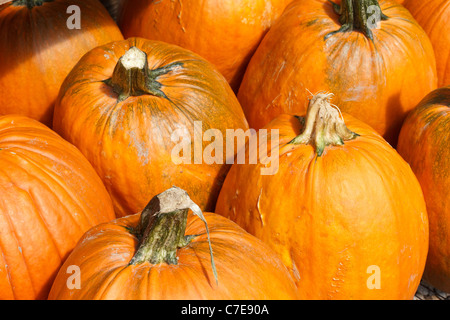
(337, 280)
(272, 103)
(294, 269)
(412, 280)
(277, 73)
(310, 23)
(267, 14)
(179, 16)
(258, 208)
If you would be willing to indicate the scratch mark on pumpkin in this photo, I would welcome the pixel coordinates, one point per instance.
(179, 16)
(295, 271)
(273, 101)
(412, 280)
(258, 207)
(289, 101)
(277, 74)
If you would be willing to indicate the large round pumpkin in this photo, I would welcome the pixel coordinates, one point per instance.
(40, 43)
(344, 210)
(50, 196)
(163, 253)
(225, 33)
(424, 143)
(130, 104)
(378, 72)
(434, 16)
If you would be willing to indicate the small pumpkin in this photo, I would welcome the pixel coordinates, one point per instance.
(129, 104)
(50, 196)
(424, 143)
(164, 253)
(379, 71)
(433, 16)
(352, 212)
(38, 49)
(226, 33)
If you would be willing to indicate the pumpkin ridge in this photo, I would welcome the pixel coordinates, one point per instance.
(113, 277)
(39, 210)
(437, 15)
(447, 61)
(103, 290)
(55, 179)
(14, 233)
(8, 272)
(44, 226)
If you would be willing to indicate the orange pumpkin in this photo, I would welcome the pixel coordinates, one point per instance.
(50, 196)
(125, 104)
(424, 143)
(344, 211)
(38, 49)
(163, 253)
(378, 74)
(225, 33)
(434, 16)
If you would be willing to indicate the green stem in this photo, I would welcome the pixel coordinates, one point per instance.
(162, 226)
(162, 238)
(323, 125)
(132, 77)
(360, 15)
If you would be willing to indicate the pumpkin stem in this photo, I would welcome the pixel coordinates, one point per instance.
(361, 15)
(323, 125)
(132, 77)
(162, 227)
(30, 4)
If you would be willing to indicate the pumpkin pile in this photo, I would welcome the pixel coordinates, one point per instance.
(224, 150)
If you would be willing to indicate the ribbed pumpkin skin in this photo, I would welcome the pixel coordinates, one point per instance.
(246, 268)
(225, 33)
(38, 50)
(113, 7)
(424, 143)
(434, 16)
(356, 206)
(377, 82)
(50, 196)
(129, 143)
